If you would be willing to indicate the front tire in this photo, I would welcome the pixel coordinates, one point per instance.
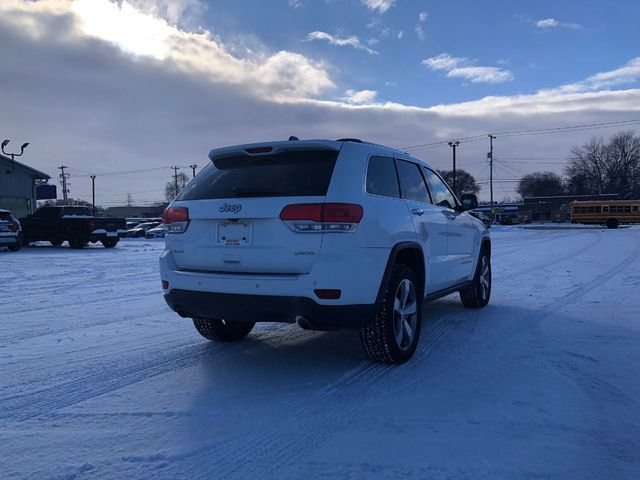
(478, 293)
(222, 330)
(56, 243)
(392, 336)
(612, 223)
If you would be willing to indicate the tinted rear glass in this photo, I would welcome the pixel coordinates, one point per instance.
(411, 182)
(381, 177)
(5, 216)
(288, 174)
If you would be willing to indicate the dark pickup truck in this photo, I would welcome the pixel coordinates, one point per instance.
(71, 223)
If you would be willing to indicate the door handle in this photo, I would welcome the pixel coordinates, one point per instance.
(417, 211)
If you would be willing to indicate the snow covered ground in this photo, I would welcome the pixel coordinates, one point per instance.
(99, 379)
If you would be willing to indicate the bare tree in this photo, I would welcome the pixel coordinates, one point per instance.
(598, 167)
(541, 184)
(170, 188)
(465, 182)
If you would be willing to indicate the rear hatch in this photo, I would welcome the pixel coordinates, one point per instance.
(234, 208)
(8, 225)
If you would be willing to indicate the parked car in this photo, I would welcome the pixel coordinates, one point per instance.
(156, 232)
(329, 234)
(483, 217)
(74, 224)
(140, 229)
(10, 231)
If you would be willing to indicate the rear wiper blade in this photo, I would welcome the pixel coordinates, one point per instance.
(253, 192)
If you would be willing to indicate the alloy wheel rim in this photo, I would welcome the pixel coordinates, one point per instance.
(405, 314)
(485, 278)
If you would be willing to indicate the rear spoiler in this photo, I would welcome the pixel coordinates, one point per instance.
(265, 149)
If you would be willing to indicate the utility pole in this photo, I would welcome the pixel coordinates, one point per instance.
(63, 178)
(193, 169)
(93, 193)
(454, 145)
(175, 180)
(490, 155)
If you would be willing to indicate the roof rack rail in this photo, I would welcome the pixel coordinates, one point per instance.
(355, 140)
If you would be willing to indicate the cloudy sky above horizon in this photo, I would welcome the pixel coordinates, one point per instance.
(135, 86)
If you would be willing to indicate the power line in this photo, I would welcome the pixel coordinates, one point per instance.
(539, 131)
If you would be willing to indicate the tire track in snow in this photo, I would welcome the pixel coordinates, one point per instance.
(100, 381)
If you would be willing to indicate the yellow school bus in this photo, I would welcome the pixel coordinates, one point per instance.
(610, 213)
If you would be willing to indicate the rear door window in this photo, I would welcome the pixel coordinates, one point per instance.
(440, 193)
(381, 177)
(298, 173)
(411, 182)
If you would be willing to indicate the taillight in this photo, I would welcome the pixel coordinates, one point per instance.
(322, 217)
(176, 219)
(13, 226)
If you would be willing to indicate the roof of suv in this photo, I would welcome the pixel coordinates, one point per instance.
(321, 144)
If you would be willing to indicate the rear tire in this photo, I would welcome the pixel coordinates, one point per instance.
(56, 243)
(16, 247)
(109, 243)
(222, 330)
(478, 294)
(612, 223)
(392, 336)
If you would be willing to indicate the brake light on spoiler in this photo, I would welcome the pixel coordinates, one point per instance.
(322, 217)
(176, 219)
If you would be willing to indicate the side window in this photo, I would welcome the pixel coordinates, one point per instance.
(605, 209)
(439, 191)
(411, 182)
(382, 178)
(635, 208)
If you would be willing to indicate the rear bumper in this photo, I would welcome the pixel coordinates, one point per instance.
(269, 308)
(10, 239)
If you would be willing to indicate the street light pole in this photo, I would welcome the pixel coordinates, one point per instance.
(454, 145)
(193, 169)
(13, 155)
(93, 193)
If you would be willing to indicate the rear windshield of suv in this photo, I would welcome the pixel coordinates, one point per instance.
(288, 174)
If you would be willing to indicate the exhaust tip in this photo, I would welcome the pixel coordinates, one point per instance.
(180, 311)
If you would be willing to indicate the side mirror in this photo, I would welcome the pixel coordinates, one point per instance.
(469, 201)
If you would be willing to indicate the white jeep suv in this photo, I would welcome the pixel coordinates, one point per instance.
(329, 234)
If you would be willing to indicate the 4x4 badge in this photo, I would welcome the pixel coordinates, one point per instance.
(232, 208)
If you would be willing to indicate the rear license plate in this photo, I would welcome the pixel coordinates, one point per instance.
(7, 239)
(112, 234)
(234, 233)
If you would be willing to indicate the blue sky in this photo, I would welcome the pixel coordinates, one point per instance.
(580, 38)
(124, 89)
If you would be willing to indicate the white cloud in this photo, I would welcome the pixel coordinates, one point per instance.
(553, 23)
(360, 97)
(281, 75)
(422, 17)
(351, 41)
(627, 74)
(379, 6)
(420, 32)
(176, 12)
(466, 69)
